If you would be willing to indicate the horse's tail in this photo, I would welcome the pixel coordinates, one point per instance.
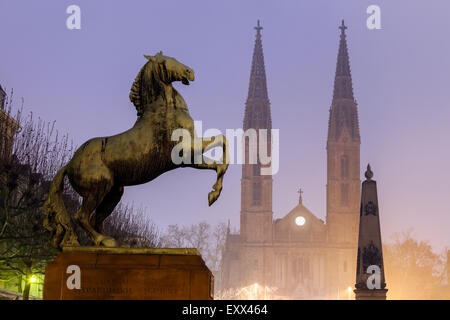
(54, 208)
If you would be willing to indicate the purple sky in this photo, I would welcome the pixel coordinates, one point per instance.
(401, 78)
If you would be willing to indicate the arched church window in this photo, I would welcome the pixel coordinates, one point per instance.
(256, 193)
(306, 267)
(344, 194)
(294, 269)
(300, 268)
(344, 166)
(256, 170)
(281, 270)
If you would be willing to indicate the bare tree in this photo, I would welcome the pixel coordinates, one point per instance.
(208, 240)
(30, 157)
(216, 247)
(413, 270)
(175, 237)
(132, 226)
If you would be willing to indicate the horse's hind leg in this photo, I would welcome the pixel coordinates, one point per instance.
(214, 195)
(106, 207)
(220, 168)
(90, 202)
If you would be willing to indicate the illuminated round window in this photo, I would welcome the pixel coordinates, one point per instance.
(300, 221)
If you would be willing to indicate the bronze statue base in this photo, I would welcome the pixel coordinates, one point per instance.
(95, 273)
(366, 294)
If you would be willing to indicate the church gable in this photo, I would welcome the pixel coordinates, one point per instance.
(299, 225)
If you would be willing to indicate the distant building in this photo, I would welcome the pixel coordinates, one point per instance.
(299, 254)
(2, 98)
(8, 127)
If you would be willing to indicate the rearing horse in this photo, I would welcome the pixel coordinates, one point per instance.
(101, 167)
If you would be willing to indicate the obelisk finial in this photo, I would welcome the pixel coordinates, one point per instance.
(369, 173)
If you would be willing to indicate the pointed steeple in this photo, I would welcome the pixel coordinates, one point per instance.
(343, 159)
(256, 189)
(257, 109)
(343, 79)
(343, 112)
(370, 281)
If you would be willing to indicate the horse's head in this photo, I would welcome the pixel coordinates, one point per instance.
(160, 71)
(171, 70)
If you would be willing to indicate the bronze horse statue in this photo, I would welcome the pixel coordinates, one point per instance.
(101, 167)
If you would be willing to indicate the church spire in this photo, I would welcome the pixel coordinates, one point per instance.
(343, 112)
(256, 189)
(343, 79)
(257, 110)
(343, 154)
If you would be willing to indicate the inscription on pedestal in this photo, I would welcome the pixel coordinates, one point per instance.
(115, 276)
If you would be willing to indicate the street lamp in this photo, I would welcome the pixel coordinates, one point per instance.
(33, 279)
(349, 289)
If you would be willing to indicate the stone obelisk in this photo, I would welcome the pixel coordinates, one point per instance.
(370, 281)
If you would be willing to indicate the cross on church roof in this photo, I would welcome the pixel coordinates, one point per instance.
(300, 192)
(258, 28)
(343, 27)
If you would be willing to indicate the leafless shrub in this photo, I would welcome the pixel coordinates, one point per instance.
(131, 226)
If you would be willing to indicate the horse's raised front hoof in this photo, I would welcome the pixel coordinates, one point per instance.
(213, 196)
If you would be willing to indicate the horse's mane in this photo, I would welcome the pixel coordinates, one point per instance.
(135, 92)
(146, 86)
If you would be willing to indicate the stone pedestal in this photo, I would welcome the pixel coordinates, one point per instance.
(375, 294)
(128, 274)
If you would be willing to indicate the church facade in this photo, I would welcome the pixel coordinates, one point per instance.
(299, 255)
